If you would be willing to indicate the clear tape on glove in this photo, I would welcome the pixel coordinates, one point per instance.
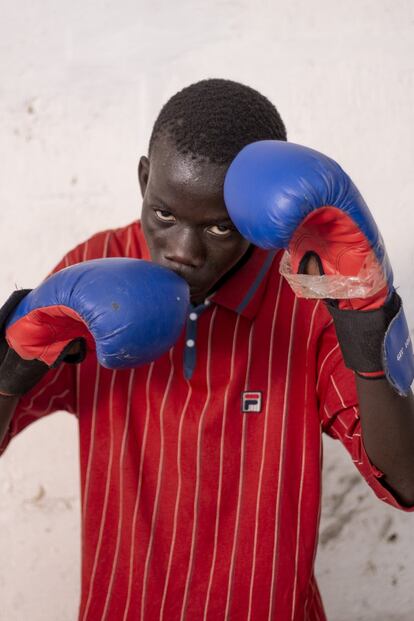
(365, 284)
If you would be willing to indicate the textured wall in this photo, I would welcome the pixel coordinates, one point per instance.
(81, 83)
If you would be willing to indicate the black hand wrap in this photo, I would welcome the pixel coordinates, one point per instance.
(361, 334)
(17, 376)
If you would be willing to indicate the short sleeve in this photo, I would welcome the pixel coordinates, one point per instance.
(57, 391)
(339, 412)
(54, 393)
(127, 241)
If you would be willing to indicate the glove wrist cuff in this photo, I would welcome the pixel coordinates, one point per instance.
(361, 334)
(17, 376)
(377, 341)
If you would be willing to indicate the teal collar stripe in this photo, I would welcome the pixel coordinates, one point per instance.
(256, 283)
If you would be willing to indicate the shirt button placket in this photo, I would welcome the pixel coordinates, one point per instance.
(190, 349)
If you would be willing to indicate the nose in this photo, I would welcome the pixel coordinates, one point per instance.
(186, 249)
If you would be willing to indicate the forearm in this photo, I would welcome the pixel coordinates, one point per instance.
(7, 408)
(387, 422)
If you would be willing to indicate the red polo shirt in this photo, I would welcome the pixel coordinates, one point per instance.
(201, 472)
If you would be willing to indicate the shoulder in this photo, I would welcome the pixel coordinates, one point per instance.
(126, 241)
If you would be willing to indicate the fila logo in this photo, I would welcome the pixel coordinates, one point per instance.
(252, 401)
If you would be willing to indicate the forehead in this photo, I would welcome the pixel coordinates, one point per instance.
(174, 173)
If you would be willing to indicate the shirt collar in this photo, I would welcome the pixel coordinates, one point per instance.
(243, 291)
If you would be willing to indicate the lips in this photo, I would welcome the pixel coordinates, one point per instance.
(197, 290)
(181, 271)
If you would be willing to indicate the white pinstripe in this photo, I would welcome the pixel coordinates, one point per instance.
(157, 493)
(16, 427)
(237, 523)
(318, 517)
(95, 401)
(341, 398)
(323, 364)
(52, 399)
(106, 244)
(92, 440)
(259, 488)
(231, 569)
(139, 484)
(223, 426)
(44, 412)
(85, 250)
(302, 473)
(337, 415)
(128, 243)
(177, 498)
(282, 458)
(317, 597)
(78, 376)
(121, 495)
(310, 600)
(197, 489)
(93, 426)
(30, 405)
(106, 496)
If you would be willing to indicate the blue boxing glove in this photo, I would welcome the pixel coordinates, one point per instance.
(131, 311)
(283, 195)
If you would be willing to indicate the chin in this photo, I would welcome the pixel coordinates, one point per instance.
(196, 298)
(197, 295)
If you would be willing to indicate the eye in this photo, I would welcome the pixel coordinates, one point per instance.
(219, 230)
(164, 215)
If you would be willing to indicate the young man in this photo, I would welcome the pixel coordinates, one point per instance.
(201, 471)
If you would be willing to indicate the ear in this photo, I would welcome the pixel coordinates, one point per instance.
(143, 174)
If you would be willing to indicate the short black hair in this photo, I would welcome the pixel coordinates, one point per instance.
(214, 119)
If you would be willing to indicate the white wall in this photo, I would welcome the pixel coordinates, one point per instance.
(81, 82)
